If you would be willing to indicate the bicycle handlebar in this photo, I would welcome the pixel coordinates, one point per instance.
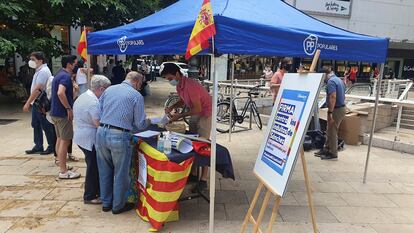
(253, 91)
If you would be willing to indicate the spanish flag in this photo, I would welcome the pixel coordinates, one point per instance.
(82, 51)
(203, 30)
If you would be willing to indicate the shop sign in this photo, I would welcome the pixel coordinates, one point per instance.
(408, 69)
(328, 7)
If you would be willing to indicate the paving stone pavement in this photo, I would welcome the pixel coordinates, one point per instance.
(33, 200)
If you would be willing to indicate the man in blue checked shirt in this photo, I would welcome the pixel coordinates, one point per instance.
(122, 113)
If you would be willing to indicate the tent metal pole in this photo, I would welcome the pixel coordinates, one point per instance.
(373, 121)
(231, 97)
(213, 141)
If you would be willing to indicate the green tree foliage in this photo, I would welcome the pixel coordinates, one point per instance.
(25, 25)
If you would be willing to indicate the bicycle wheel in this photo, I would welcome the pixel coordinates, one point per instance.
(223, 117)
(256, 116)
(171, 101)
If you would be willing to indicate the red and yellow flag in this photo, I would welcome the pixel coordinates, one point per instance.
(82, 51)
(158, 201)
(203, 30)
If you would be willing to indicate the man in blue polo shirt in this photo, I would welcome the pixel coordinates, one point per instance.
(335, 100)
(62, 115)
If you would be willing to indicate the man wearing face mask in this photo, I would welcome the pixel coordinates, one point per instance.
(276, 80)
(195, 97)
(39, 121)
(122, 114)
(62, 113)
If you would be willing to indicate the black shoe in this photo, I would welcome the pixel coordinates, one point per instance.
(192, 179)
(47, 151)
(199, 187)
(106, 209)
(34, 151)
(320, 152)
(127, 207)
(329, 156)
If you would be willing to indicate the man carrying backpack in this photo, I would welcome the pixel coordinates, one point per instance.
(39, 121)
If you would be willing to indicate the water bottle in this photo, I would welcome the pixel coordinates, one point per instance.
(160, 143)
(167, 144)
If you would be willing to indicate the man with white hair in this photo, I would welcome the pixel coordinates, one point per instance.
(122, 113)
(86, 116)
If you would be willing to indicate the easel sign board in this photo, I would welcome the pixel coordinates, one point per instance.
(286, 129)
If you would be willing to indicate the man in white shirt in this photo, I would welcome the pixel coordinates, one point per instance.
(86, 115)
(39, 121)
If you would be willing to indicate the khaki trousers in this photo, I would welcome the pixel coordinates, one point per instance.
(331, 143)
(200, 125)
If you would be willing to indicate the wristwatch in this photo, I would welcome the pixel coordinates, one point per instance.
(68, 109)
(330, 112)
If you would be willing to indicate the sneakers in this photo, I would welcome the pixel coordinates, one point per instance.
(127, 207)
(106, 208)
(69, 175)
(96, 201)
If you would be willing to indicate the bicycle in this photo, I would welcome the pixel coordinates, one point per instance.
(172, 99)
(223, 111)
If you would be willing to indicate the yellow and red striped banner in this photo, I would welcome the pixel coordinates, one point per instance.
(158, 201)
(82, 50)
(203, 30)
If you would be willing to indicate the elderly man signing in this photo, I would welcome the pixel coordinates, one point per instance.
(86, 115)
(122, 113)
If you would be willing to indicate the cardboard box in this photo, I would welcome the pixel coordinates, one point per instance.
(349, 129)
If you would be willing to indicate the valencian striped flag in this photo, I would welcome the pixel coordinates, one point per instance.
(158, 200)
(203, 30)
(82, 51)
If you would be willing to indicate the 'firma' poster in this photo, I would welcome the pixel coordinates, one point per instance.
(284, 128)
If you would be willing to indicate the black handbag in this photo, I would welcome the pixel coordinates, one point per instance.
(42, 103)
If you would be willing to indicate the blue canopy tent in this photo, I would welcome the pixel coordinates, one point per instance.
(244, 27)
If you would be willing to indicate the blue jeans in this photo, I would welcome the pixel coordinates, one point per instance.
(92, 175)
(114, 154)
(40, 124)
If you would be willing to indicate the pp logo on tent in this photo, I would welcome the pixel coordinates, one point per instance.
(310, 44)
(122, 43)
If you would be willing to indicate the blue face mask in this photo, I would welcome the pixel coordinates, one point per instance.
(174, 82)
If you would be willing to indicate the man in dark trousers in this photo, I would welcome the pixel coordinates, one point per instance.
(335, 100)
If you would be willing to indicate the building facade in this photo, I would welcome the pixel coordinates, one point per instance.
(392, 19)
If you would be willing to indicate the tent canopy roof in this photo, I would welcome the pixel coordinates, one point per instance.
(246, 27)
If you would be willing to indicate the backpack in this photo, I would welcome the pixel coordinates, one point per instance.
(42, 103)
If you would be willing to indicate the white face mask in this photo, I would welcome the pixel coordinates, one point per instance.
(32, 64)
(174, 82)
